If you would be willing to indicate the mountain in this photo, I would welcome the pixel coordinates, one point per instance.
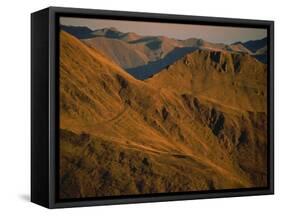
(160, 45)
(242, 77)
(257, 48)
(255, 45)
(157, 51)
(83, 32)
(145, 71)
(108, 33)
(130, 36)
(123, 136)
(154, 47)
(239, 47)
(143, 56)
(123, 54)
(80, 32)
(261, 54)
(114, 33)
(182, 48)
(140, 56)
(202, 44)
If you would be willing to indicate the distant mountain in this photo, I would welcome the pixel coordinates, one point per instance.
(183, 48)
(239, 47)
(130, 36)
(255, 45)
(202, 44)
(199, 124)
(156, 52)
(143, 56)
(145, 71)
(122, 53)
(108, 32)
(80, 32)
(257, 48)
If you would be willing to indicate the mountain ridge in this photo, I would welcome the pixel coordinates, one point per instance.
(123, 136)
(142, 56)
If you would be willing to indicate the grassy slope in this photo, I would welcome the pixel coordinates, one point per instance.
(123, 136)
(237, 81)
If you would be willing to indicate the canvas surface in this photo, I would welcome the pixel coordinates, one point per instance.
(156, 108)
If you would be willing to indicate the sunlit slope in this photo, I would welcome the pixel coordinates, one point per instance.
(228, 93)
(233, 80)
(120, 135)
(96, 94)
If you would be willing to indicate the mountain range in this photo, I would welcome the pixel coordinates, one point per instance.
(143, 56)
(197, 123)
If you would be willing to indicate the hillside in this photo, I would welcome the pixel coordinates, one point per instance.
(205, 73)
(120, 135)
(120, 52)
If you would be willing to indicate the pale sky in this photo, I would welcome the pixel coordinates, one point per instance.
(217, 34)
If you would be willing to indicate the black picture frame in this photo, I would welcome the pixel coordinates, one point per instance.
(45, 105)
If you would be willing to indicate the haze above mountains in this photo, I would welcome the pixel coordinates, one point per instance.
(142, 115)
